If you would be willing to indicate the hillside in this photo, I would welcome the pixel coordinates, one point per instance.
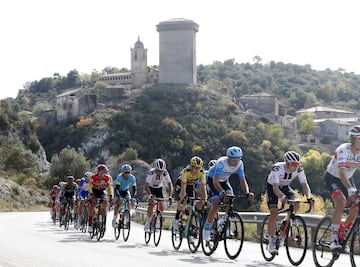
(170, 121)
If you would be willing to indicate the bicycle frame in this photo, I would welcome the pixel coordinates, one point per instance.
(191, 211)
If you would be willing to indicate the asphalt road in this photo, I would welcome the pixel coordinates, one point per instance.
(30, 239)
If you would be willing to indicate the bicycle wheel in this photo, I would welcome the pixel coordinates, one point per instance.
(53, 217)
(209, 246)
(234, 236)
(176, 235)
(296, 240)
(157, 226)
(67, 219)
(100, 226)
(148, 234)
(322, 255)
(103, 226)
(193, 233)
(126, 225)
(84, 221)
(355, 246)
(264, 240)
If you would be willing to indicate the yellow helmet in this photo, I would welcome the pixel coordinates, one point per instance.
(196, 162)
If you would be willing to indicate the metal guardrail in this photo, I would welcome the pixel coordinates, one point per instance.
(257, 218)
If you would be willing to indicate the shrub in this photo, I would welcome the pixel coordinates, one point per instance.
(128, 154)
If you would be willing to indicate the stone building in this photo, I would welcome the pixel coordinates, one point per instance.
(262, 104)
(177, 50)
(75, 103)
(140, 74)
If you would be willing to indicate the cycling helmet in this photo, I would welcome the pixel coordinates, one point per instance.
(292, 156)
(70, 178)
(55, 187)
(196, 162)
(126, 168)
(87, 175)
(234, 152)
(354, 131)
(160, 165)
(78, 181)
(61, 184)
(102, 168)
(211, 163)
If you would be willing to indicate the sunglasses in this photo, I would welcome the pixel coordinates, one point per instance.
(295, 164)
(126, 172)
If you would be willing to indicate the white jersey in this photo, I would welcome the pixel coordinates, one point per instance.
(157, 181)
(343, 158)
(223, 170)
(278, 175)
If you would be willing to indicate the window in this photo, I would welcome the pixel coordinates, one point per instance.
(135, 55)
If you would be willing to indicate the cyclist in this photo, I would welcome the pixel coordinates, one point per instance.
(155, 180)
(189, 176)
(83, 192)
(339, 181)
(278, 187)
(54, 195)
(69, 192)
(220, 186)
(97, 185)
(122, 184)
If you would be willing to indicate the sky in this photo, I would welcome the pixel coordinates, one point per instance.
(41, 37)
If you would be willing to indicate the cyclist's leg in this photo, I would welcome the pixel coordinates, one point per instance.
(228, 192)
(214, 200)
(290, 194)
(338, 192)
(272, 202)
(200, 191)
(353, 208)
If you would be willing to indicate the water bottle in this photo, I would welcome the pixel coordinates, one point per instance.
(220, 224)
(341, 232)
(185, 216)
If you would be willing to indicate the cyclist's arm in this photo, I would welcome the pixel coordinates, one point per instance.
(344, 179)
(182, 190)
(110, 189)
(216, 184)
(277, 190)
(244, 186)
(306, 190)
(90, 189)
(134, 190)
(170, 188)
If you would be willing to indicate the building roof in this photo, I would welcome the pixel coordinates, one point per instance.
(116, 74)
(323, 109)
(177, 24)
(262, 94)
(154, 69)
(348, 121)
(73, 91)
(138, 44)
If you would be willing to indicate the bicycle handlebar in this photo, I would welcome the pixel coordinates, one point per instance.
(292, 202)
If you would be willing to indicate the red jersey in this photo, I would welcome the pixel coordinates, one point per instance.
(98, 183)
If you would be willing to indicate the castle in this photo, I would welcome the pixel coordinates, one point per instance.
(141, 74)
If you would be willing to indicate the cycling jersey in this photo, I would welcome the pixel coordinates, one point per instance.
(157, 181)
(69, 188)
(100, 184)
(223, 170)
(83, 189)
(190, 179)
(125, 183)
(210, 173)
(278, 175)
(343, 158)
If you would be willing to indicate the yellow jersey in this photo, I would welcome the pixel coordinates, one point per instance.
(188, 178)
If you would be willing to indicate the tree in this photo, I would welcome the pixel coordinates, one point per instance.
(72, 79)
(306, 123)
(67, 162)
(257, 59)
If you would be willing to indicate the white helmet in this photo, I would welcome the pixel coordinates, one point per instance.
(160, 165)
(292, 156)
(354, 131)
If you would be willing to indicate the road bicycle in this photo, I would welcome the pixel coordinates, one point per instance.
(124, 221)
(99, 220)
(190, 222)
(156, 223)
(293, 232)
(83, 217)
(228, 228)
(53, 211)
(322, 254)
(67, 218)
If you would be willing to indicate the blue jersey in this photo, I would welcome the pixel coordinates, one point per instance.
(125, 183)
(210, 173)
(84, 189)
(223, 170)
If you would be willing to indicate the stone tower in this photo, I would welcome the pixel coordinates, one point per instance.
(177, 51)
(139, 64)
